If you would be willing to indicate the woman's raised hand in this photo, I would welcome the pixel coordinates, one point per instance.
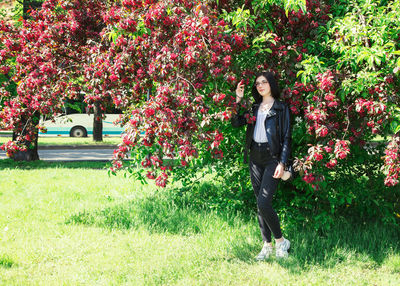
(239, 91)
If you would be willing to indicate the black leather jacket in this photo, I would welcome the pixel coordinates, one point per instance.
(277, 126)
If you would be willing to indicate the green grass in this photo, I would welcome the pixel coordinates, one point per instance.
(71, 224)
(6, 262)
(115, 140)
(23, 165)
(50, 141)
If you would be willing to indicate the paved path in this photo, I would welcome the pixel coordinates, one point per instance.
(86, 153)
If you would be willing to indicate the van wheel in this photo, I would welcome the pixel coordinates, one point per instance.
(78, 131)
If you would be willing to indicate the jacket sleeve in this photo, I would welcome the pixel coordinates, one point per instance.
(239, 120)
(287, 137)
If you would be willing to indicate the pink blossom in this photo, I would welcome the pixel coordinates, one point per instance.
(331, 164)
(309, 178)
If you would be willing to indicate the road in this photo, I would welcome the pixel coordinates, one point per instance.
(73, 154)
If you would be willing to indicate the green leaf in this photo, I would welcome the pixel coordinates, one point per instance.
(378, 61)
(270, 25)
(342, 95)
(304, 5)
(361, 57)
(303, 79)
(394, 125)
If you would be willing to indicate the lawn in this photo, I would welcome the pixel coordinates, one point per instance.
(51, 141)
(107, 140)
(71, 224)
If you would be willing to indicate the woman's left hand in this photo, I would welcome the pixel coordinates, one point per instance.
(279, 171)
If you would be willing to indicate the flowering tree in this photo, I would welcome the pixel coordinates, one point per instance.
(340, 99)
(338, 68)
(8, 85)
(353, 94)
(172, 65)
(120, 51)
(46, 57)
(335, 105)
(336, 113)
(174, 58)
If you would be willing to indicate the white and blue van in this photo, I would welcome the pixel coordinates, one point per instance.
(80, 125)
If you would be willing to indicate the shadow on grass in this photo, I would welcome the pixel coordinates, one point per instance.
(170, 211)
(6, 261)
(368, 245)
(22, 165)
(155, 215)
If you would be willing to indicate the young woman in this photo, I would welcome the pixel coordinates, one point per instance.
(268, 138)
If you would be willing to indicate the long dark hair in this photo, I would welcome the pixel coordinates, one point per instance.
(272, 83)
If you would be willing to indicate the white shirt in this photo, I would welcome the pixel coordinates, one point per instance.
(260, 135)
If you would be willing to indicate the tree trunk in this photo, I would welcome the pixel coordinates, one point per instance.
(97, 123)
(31, 153)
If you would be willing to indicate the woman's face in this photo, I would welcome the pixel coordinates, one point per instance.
(262, 86)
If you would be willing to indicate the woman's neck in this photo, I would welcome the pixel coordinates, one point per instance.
(268, 99)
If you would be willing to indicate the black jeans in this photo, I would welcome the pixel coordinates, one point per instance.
(262, 168)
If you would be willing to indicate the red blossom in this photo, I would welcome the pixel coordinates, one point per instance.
(162, 180)
(331, 164)
(309, 178)
(341, 149)
(392, 161)
(326, 80)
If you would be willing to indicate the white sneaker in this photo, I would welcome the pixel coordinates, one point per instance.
(282, 249)
(265, 252)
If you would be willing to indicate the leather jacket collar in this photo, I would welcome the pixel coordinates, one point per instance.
(276, 107)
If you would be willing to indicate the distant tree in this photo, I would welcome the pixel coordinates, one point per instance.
(46, 55)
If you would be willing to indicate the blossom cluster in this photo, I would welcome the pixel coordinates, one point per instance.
(162, 62)
(373, 112)
(168, 50)
(335, 123)
(49, 51)
(392, 162)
